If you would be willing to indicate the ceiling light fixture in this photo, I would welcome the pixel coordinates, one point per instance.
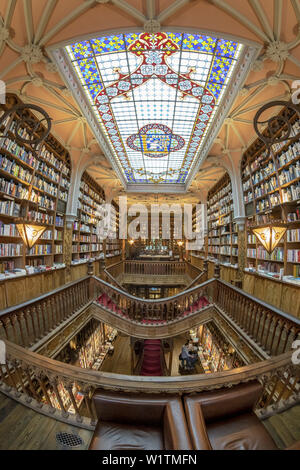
(269, 236)
(30, 233)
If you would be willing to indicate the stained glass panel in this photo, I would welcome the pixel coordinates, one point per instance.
(155, 97)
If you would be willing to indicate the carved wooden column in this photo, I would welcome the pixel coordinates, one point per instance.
(171, 357)
(217, 271)
(242, 248)
(67, 256)
(205, 246)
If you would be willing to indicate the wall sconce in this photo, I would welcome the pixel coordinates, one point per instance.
(30, 233)
(269, 236)
(131, 242)
(180, 243)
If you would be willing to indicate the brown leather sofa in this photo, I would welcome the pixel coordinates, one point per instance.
(139, 422)
(224, 420)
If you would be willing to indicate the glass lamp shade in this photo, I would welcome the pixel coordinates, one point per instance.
(30, 233)
(269, 236)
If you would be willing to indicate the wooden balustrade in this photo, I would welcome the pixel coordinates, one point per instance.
(27, 323)
(270, 328)
(64, 391)
(51, 387)
(143, 310)
(115, 270)
(155, 268)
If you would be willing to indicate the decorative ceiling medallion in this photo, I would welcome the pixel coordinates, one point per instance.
(155, 95)
(155, 141)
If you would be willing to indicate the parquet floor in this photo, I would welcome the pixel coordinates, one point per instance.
(23, 429)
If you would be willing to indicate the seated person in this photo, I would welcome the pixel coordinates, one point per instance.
(188, 358)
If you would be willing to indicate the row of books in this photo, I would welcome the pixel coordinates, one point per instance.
(18, 151)
(296, 270)
(10, 249)
(276, 255)
(292, 193)
(222, 192)
(42, 200)
(290, 174)
(41, 250)
(43, 185)
(258, 161)
(294, 216)
(8, 230)
(41, 217)
(10, 208)
(293, 256)
(295, 128)
(95, 196)
(263, 173)
(293, 235)
(48, 235)
(268, 186)
(292, 152)
(48, 171)
(11, 167)
(58, 164)
(13, 189)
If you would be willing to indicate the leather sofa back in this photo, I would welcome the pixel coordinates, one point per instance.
(126, 408)
(228, 402)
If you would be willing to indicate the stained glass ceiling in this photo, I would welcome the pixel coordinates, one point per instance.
(155, 97)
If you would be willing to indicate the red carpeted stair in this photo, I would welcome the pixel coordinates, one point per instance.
(151, 365)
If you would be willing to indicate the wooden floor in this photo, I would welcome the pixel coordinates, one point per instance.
(179, 341)
(120, 362)
(24, 429)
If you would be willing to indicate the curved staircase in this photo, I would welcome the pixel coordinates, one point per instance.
(151, 365)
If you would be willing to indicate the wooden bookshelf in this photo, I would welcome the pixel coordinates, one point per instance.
(32, 189)
(202, 254)
(86, 244)
(113, 244)
(222, 231)
(271, 186)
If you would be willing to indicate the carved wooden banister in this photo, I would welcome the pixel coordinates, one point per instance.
(51, 387)
(27, 323)
(271, 328)
(161, 310)
(155, 268)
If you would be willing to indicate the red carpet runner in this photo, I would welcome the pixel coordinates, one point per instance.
(151, 365)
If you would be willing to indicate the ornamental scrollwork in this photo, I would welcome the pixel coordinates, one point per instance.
(276, 129)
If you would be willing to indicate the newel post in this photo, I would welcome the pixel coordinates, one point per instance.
(90, 268)
(217, 272)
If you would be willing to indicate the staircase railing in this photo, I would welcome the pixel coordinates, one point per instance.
(27, 323)
(162, 310)
(270, 328)
(154, 268)
(61, 390)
